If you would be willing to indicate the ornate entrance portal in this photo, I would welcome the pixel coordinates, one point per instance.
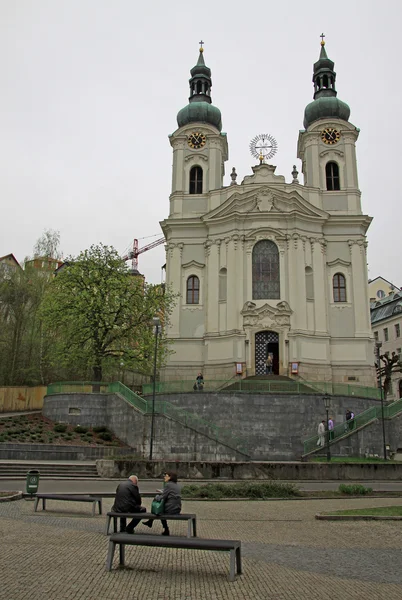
(266, 342)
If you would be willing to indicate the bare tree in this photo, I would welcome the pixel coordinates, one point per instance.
(48, 245)
(391, 364)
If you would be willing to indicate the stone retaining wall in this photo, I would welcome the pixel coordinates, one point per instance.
(290, 471)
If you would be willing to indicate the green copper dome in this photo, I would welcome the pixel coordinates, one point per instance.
(323, 107)
(325, 103)
(200, 108)
(200, 112)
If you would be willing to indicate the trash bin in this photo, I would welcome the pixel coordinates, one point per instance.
(32, 481)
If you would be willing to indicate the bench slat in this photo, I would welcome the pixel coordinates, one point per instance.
(68, 498)
(190, 518)
(123, 539)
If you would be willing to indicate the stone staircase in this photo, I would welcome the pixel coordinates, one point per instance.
(76, 470)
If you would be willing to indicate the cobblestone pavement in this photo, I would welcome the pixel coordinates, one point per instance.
(60, 554)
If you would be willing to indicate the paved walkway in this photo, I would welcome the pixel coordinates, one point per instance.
(60, 554)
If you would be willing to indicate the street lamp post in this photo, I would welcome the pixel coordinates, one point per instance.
(156, 323)
(378, 348)
(327, 404)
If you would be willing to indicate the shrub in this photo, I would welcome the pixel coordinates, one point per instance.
(60, 427)
(217, 491)
(89, 434)
(106, 436)
(354, 490)
(80, 429)
(100, 429)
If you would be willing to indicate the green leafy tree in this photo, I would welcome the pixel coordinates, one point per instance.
(102, 315)
(20, 296)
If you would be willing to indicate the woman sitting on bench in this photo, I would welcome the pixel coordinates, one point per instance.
(172, 499)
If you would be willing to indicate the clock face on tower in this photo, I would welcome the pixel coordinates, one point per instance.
(196, 140)
(330, 136)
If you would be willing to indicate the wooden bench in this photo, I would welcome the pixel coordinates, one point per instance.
(193, 543)
(69, 498)
(191, 520)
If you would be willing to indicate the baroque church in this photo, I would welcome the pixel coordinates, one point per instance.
(268, 266)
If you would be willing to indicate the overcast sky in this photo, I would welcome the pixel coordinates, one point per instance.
(90, 90)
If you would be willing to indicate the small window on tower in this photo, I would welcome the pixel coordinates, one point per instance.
(332, 177)
(196, 180)
(339, 287)
(193, 290)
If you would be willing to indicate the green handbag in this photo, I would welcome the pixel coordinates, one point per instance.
(157, 507)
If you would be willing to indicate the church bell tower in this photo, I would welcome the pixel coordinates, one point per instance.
(327, 147)
(199, 148)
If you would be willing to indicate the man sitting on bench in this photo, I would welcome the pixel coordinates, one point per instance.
(128, 500)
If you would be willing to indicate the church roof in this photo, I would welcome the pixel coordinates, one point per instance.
(386, 307)
(325, 103)
(200, 108)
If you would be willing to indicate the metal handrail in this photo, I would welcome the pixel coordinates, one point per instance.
(360, 420)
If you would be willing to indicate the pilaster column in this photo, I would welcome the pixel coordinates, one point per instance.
(249, 270)
(232, 282)
(241, 287)
(318, 250)
(292, 286)
(174, 280)
(359, 285)
(301, 282)
(212, 290)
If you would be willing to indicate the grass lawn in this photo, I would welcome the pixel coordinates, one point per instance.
(350, 459)
(380, 511)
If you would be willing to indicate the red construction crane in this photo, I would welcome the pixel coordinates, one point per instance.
(133, 255)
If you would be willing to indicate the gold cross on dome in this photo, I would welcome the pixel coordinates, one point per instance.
(322, 36)
(201, 43)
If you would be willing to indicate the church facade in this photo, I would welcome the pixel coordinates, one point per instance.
(268, 267)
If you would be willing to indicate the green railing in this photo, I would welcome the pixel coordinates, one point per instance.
(393, 409)
(344, 389)
(264, 386)
(347, 427)
(131, 397)
(83, 387)
(219, 434)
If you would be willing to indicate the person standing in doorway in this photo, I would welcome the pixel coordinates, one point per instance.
(268, 364)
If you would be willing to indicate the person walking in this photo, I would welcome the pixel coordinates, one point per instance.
(172, 498)
(268, 364)
(321, 434)
(330, 428)
(200, 382)
(349, 422)
(128, 500)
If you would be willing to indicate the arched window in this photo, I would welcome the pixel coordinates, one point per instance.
(339, 287)
(193, 290)
(266, 270)
(332, 176)
(196, 180)
(309, 283)
(223, 285)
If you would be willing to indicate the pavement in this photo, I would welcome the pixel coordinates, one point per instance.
(60, 554)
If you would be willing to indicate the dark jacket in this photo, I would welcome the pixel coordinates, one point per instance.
(171, 496)
(127, 498)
